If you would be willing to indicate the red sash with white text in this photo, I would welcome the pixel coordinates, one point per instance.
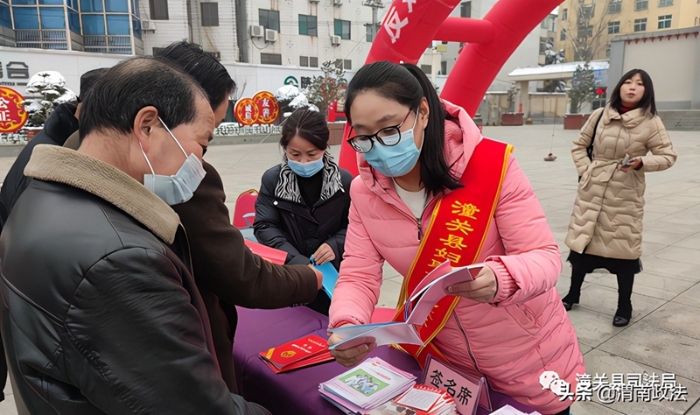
(457, 231)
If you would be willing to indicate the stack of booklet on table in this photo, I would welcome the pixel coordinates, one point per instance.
(419, 400)
(366, 386)
(509, 410)
(296, 354)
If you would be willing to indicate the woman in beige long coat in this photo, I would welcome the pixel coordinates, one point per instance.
(605, 231)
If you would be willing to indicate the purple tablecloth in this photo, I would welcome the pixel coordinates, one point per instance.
(296, 392)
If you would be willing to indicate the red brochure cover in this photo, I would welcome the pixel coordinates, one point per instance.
(297, 353)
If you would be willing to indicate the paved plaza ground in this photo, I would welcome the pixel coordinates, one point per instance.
(664, 336)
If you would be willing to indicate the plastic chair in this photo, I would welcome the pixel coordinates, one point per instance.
(244, 211)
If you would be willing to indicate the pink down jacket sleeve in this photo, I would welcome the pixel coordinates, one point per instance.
(357, 290)
(532, 263)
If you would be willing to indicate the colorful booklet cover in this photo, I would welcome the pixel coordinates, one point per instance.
(330, 277)
(418, 306)
(296, 354)
(273, 255)
(366, 386)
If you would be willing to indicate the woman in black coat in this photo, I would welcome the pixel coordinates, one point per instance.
(303, 204)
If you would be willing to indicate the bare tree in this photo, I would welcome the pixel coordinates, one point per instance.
(327, 88)
(587, 36)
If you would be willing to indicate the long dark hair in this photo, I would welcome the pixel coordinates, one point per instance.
(648, 103)
(307, 124)
(407, 84)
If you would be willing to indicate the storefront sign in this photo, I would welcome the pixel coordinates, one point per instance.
(246, 111)
(268, 107)
(292, 80)
(261, 109)
(12, 114)
(12, 72)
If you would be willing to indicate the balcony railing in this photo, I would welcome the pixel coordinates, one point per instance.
(108, 44)
(42, 39)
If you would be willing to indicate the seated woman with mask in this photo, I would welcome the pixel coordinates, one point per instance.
(303, 204)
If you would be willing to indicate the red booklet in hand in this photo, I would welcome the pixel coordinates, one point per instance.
(303, 352)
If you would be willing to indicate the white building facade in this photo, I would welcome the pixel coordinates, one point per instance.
(263, 43)
(527, 54)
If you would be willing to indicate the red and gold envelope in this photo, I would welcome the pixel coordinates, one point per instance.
(296, 354)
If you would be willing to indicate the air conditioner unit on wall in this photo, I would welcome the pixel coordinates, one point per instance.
(317, 1)
(270, 36)
(337, 2)
(148, 26)
(257, 31)
(335, 40)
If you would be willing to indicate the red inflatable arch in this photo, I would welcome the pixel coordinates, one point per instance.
(410, 26)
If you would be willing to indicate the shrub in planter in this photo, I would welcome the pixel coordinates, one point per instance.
(45, 91)
(575, 121)
(512, 118)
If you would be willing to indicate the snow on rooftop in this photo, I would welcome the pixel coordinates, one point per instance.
(557, 68)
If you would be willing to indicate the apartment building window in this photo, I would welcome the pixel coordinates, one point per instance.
(270, 19)
(345, 64)
(613, 27)
(308, 61)
(565, 14)
(665, 21)
(615, 6)
(640, 25)
(641, 4)
(587, 11)
(159, 9)
(443, 68)
(465, 9)
(271, 58)
(210, 14)
(428, 69)
(663, 3)
(585, 31)
(5, 18)
(342, 28)
(562, 35)
(308, 25)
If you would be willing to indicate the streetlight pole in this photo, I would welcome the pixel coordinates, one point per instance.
(375, 5)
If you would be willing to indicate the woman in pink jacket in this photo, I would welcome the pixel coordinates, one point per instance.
(431, 189)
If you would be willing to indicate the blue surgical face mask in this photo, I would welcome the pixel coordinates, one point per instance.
(306, 169)
(397, 160)
(180, 187)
